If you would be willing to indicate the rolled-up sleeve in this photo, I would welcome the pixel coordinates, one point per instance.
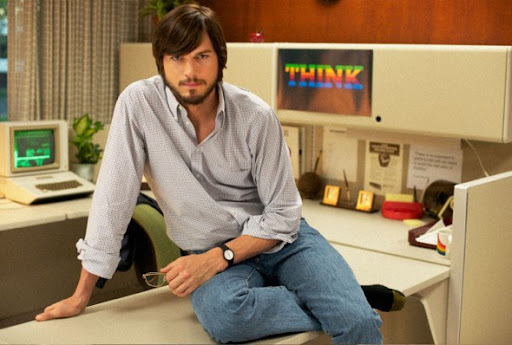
(96, 261)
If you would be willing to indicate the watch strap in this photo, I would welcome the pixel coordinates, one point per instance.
(224, 249)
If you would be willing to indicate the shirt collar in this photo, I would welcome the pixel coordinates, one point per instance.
(172, 102)
(221, 109)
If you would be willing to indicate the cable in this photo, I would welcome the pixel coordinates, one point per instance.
(477, 156)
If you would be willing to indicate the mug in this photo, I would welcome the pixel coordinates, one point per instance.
(444, 241)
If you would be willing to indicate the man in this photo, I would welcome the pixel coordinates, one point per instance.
(215, 158)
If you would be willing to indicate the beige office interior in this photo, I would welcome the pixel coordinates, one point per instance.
(458, 300)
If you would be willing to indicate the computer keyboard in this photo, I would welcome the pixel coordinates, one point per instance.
(53, 186)
(58, 185)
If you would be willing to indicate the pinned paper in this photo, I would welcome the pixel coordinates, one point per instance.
(383, 168)
(429, 164)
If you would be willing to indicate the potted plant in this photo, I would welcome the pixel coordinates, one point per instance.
(159, 8)
(88, 153)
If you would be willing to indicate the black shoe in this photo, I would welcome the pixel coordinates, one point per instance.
(383, 298)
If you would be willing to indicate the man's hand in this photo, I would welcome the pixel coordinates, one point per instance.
(75, 304)
(68, 307)
(187, 273)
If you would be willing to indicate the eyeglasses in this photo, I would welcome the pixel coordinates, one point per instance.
(155, 279)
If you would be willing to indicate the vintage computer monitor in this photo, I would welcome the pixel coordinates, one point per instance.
(34, 163)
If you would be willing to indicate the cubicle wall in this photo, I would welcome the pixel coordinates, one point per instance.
(451, 91)
(480, 306)
(448, 91)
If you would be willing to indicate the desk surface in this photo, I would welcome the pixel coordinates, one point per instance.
(14, 215)
(353, 228)
(151, 317)
(366, 230)
(157, 316)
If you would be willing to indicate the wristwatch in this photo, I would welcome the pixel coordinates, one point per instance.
(228, 254)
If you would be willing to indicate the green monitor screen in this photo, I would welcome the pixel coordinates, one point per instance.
(34, 148)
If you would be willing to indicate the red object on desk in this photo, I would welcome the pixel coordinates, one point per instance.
(401, 210)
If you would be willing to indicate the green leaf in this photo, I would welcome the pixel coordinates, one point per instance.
(81, 124)
(84, 128)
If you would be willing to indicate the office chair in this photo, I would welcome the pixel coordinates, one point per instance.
(154, 250)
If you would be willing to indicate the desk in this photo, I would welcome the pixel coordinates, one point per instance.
(415, 271)
(152, 317)
(160, 317)
(372, 232)
(38, 261)
(14, 215)
(366, 230)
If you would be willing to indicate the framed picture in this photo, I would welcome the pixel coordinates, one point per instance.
(331, 195)
(364, 201)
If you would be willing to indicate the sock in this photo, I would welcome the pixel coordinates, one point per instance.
(383, 298)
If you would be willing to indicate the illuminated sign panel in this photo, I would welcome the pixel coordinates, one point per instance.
(325, 80)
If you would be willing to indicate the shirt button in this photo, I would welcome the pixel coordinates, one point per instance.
(198, 176)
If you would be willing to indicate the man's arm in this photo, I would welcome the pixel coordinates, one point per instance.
(189, 272)
(75, 304)
(246, 247)
(112, 204)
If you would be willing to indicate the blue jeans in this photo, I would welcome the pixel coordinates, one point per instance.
(306, 286)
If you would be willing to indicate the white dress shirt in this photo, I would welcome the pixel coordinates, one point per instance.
(236, 181)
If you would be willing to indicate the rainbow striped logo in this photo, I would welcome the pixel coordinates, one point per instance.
(441, 247)
(324, 76)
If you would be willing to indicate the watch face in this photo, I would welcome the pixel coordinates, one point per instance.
(228, 255)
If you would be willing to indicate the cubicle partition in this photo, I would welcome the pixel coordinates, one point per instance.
(433, 90)
(481, 270)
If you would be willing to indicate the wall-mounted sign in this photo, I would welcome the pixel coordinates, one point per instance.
(325, 80)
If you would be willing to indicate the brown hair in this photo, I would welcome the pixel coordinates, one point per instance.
(180, 31)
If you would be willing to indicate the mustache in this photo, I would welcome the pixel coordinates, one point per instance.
(193, 80)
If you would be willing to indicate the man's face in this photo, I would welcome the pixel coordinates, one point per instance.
(192, 77)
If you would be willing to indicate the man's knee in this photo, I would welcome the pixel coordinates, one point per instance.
(224, 317)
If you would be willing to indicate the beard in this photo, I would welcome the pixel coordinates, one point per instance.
(193, 98)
